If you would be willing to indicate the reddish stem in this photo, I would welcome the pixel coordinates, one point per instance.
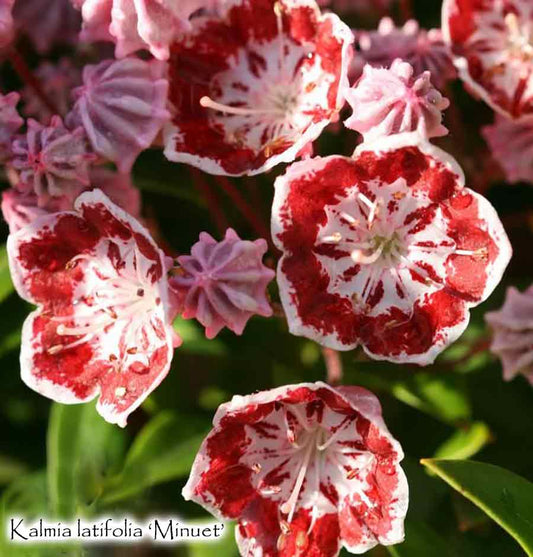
(406, 10)
(333, 365)
(213, 205)
(27, 76)
(245, 209)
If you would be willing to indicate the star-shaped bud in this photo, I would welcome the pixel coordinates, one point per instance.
(305, 470)
(395, 100)
(122, 107)
(493, 46)
(47, 22)
(103, 326)
(253, 86)
(387, 250)
(424, 49)
(511, 145)
(138, 24)
(512, 328)
(10, 122)
(52, 161)
(223, 284)
(6, 22)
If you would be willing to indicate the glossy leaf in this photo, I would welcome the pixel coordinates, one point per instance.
(164, 450)
(506, 497)
(6, 285)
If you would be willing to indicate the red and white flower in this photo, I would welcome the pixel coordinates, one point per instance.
(387, 250)
(103, 323)
(252, 87)
(305, 469)
(493, 45)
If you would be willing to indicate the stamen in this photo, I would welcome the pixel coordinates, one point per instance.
(207, 102)
(289, 506)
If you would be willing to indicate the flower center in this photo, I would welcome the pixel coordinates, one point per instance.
(520, 38)
(394, 239)
(116, 297)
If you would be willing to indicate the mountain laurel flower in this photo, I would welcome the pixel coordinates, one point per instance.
(104, 321)
(10, 123)
(391, 101)
(511, 144)
(387, 250)
(122, 107)
(512, 328)
(424, 49)
(223, 284)
(138, 24)
(254, 85)
(51, 160)
(491, 42)
(305, 470)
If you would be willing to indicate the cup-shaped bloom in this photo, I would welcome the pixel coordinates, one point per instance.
(103, 323)
(493, 48)
(395, 100)
(387, 250)
(253, 86)
(122, 107)
(512, 330)
(10, 122)
(305, 470)
(222, 284)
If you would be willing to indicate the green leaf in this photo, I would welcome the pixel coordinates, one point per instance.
(443, 396)
(506, 497)
(63, 443)
(420, 541)
(465, 442)
(164, 450)
(226, 547)
(194, 340)
(6, 285)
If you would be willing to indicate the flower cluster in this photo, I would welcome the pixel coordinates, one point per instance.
(385, 248)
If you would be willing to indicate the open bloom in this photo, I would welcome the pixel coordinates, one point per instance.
(387, 250)
(493, 45)
(103, 323)
(395, 100)
(138, 24)
(424, 49)
(512, 328)
(305, 469)
(511, 144)
(52, 160)
(122, 107)
(255, 85)
(10, 122)
(224, 283)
